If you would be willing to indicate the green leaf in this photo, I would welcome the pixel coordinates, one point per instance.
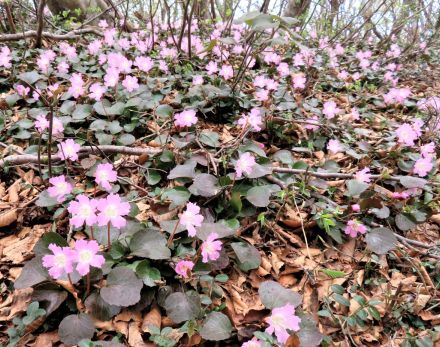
(374, 312)
(164, 111)
(185, 170)
(205, 185)
(404, 223)
(259, 196)
(273, 294)
(150, 244)
(333, 273)
(147, 273)
(126, 139)
(30, 77)
(41, 247)
(82, 111)
(338, 289)
(381, 240)
(178, 196)
(123, 288)
(216, 327)
(209, 138)
(100, 309)
(181, 307)
(75, 328)
(341, 300)
(247, 255)
(412, 182)
(235, 201)
(33, 273)
(356, 188)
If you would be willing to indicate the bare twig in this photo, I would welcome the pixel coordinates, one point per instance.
(72, 35)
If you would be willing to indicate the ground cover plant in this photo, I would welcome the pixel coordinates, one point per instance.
(235, 182)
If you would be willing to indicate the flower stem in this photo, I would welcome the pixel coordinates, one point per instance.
(170, 240)
(91, 233)
(88, 284)
(109, 245)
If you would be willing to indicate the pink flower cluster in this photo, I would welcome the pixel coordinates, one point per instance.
(265, 85)
(105, 211)
(64, 260)
(396, 95)
(184, 268)
(407, 133)
(363, 175)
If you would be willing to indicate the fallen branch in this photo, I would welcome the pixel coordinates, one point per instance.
(108, 149)
(338, 175)
(72, 35)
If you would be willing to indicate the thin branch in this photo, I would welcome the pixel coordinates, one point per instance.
(72, 35)
(40, 19)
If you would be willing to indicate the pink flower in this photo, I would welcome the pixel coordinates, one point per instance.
(197, 80)
(105, 174)
(226, 72)
(97, 91)
(406, 134)
(94, 47)
(299, 81)
(130, 83)
(313, 124)
(262, 95)
(163, 66)
(397, 95)
(111, 78)
(355, 113)
(191, 218)
(400, 195)
(354, 227)
(22, 90)
(252, 343)
(111, 210)
(211, 68)
(330, 109)
(63, 67)
(68, 150)
(86, 256)
(185, 118)
(363, 175)
(83, 211)
(61, 262)
(283, 69)
(41, 124)
(253, 119)
(5, 57)
(260, 81)
(144, 64)
(427, 150)
(432, 103)
(77, 85)
(355, 207)
(334, 146)
(244, 164)
(60, 188)
(271, 84)
(184, 267)
(211, 248)
(281, 320)
(423, 166)
(57, 127)
(103, 24)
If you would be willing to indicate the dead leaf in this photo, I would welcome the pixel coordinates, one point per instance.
(47, 339)
(18, 303)
(151, 318)
(8, 217)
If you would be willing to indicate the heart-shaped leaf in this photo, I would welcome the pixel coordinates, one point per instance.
(273, 294)
(205, 185)
(216, 327)
(381, 240)
(181, 307)
(123, 287)
(75, 328)
(33, 273)
(150, 244)
(356, 188)
(100, 309)
(247, 255)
